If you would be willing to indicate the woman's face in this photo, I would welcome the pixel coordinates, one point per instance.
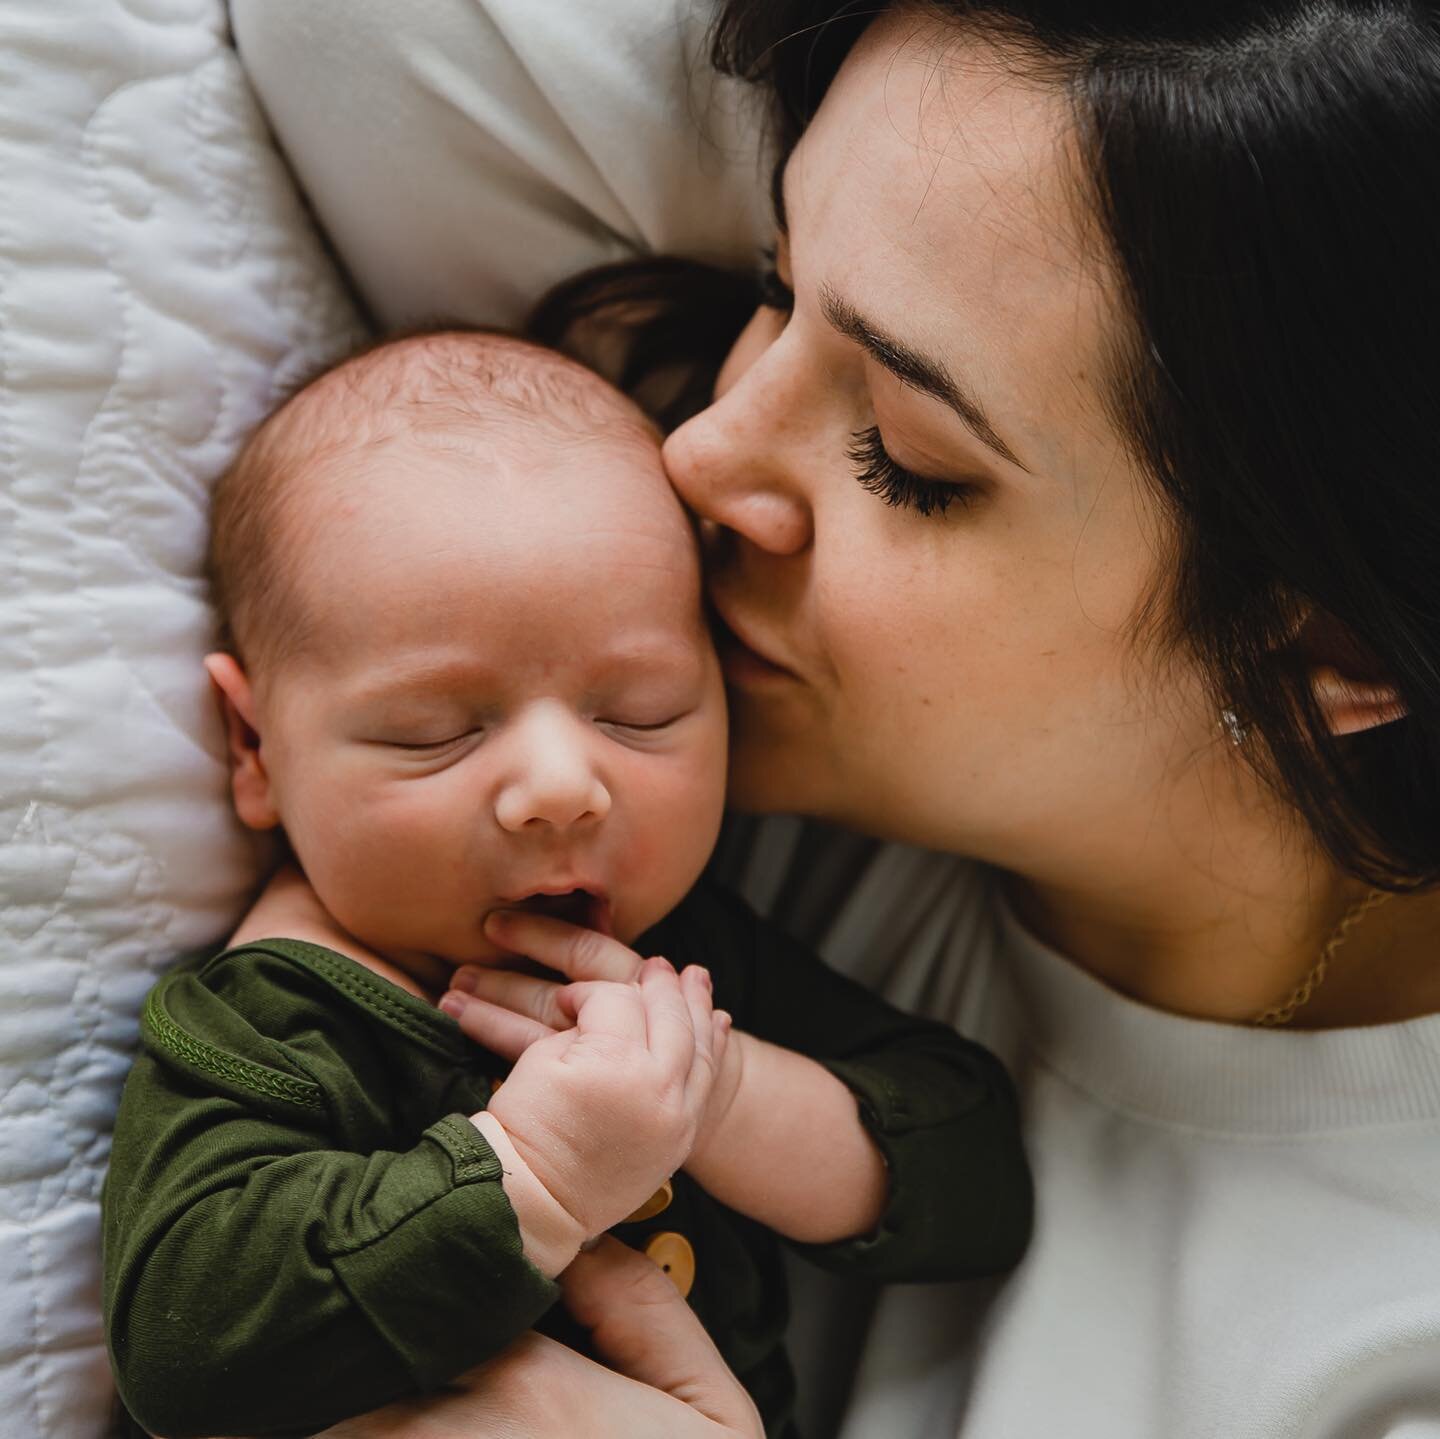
(967, 679)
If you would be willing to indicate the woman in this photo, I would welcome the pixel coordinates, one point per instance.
(1072, 507)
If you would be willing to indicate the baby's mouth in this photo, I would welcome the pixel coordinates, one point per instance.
(575, 906)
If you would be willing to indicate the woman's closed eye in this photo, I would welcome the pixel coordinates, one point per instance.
(900, 488)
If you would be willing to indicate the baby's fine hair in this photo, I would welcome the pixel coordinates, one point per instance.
(467, 384)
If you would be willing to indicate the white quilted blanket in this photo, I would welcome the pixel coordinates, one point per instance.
(159, 286)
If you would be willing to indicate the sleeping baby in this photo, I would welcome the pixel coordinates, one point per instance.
(466, 672)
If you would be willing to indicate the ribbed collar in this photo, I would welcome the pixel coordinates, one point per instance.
(1223, 1078)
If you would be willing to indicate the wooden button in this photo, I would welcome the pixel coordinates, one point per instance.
(672, 1253)
(658, 1203)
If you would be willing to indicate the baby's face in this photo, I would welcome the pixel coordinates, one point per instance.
(507, 693)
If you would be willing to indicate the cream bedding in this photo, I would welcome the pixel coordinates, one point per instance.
(159, 285)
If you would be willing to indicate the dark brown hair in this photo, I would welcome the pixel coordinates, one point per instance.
(1264, 176)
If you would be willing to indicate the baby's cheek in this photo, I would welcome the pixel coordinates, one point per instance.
(373, 844)
(676, 829)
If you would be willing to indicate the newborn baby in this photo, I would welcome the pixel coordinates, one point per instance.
(466, 670)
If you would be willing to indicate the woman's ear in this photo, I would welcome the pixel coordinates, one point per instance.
(249, 780)
(1346, 680)
(1350, 705)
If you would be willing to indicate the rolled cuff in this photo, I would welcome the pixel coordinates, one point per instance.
(961, 1203)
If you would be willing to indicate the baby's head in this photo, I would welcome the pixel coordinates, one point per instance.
(467, 663)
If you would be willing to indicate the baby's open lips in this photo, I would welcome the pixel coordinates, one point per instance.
(574, 906)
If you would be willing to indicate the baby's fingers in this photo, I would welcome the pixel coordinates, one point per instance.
(501, 1031)
(721, 1025)
(614, 1011)
(576, 953)
(536, 999)
(712, 1029)
(669, 1021)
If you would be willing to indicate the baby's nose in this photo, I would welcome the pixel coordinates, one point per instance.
(555, 785)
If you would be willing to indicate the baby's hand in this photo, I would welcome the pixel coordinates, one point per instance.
(507, 1011)
(604, 1104)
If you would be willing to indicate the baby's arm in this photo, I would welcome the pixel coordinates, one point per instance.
(272, 1255)
(838, 1116)
(806, 1167)
(288, 906)
(940, 1108)
(789, 1148)
(272, 1233)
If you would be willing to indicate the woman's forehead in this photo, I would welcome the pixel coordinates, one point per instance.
(939, 191)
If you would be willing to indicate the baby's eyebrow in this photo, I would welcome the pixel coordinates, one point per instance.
(428, 674)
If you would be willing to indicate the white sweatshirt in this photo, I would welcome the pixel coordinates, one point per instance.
(1238, 1230)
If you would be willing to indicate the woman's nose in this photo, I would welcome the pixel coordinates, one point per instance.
(553, 782)
(745, 461)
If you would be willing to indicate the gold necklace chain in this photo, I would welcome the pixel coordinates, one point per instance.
(1300, 995)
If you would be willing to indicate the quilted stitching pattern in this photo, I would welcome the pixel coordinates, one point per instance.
(160, 287)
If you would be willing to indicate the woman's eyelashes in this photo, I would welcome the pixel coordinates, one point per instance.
(876, 470)
(898, 487)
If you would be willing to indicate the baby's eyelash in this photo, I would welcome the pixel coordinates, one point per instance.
(898, 487)
(430, 747)
(775, 294)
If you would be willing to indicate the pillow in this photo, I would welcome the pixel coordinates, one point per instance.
(464, 161)
(160, 287)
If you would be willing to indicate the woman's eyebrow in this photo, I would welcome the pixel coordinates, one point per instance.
(911, 368)
(908, 366)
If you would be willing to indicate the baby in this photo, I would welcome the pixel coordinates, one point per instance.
(467, 672)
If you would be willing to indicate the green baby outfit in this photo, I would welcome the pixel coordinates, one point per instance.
(301, 1224)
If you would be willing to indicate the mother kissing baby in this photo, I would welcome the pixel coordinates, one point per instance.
(1070, 497)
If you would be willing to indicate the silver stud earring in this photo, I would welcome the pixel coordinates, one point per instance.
(1233, 729)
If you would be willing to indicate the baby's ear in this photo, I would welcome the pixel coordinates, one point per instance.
(1348, 683)
(249, 780)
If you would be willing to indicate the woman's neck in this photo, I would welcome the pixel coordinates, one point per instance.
(1223, 918)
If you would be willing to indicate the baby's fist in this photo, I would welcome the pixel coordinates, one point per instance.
(604, 1112)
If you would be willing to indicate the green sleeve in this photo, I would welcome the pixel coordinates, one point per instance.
(941, 1109)
(262, 1276)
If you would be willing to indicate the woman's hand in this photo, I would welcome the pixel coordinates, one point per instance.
(668, 1381)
